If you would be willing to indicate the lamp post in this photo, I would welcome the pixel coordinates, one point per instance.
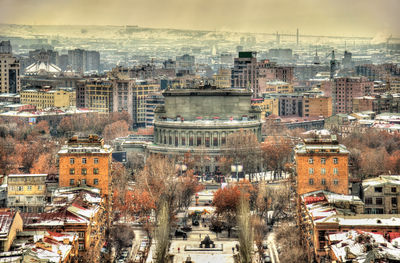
(181, 167)
(237, 168)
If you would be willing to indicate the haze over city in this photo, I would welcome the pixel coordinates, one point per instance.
(339, 17)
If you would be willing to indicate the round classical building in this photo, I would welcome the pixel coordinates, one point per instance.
(199, 120)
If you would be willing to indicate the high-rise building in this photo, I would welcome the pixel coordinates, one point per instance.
(346, 89)
(9, 69)
(322, 164)
(95, 94)
(185, 64)
(86, 161)
(152, 101)
(244, 73)
(82, 60)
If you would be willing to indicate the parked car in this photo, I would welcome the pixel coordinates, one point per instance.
(267, 258)
(180, 233)
(186, 228)
(264, 245)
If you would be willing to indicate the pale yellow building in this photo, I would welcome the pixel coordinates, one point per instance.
(223, 78)
(275, 87)
(268, 106)
(140, 92)
(394, 86)
(48, 98)
(26, 192)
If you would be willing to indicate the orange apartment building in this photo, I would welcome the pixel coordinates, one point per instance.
(322, 164)
(86, 161)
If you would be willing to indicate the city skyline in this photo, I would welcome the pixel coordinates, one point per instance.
(361, 18)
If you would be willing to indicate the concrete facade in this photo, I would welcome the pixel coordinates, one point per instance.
(199, 121)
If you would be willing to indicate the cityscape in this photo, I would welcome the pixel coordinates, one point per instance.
(200, 131)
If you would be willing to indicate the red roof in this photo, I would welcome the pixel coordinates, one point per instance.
(313, 199)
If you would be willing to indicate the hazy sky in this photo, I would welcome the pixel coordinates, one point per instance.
(330, 17)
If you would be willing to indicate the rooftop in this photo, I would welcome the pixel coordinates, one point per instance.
(357, 245)
(6, 220)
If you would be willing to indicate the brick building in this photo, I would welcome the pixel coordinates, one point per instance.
(322, 164)
(317, 106)
(86, 161)
(347, 88)
(378, 103)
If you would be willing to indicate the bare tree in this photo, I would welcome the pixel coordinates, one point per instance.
(243, 148)
(162, 233)
(245, 230)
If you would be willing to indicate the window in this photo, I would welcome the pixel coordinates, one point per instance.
(83, 160)
(335, 160)
(96, 160)
(394, 201)
(29, 187)
(323, 182)
(207, 141)
(311, 170)
(215, 141)
(20, 188)
(335, 171)
(323, 171)
(393, 189)
(83, 181)
(40, 187)
(95, 170)
(311, 181)
(84, 171)
(71, 182)
(335, 182)
(310, 160)
(378, 201)
(183, 141)
(368, 200)
(378, 189)
(81, 235)
(71, 160)
(191, 141)
(72, 171)
(95, 181)
(198, 141)
(323, 161)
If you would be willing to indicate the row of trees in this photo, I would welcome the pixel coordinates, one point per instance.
(234, 203)
(242, 147)
(373, 152)
(157, 188)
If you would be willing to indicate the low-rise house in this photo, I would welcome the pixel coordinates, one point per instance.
(52, 247)
(360, 246)
(77, 210)
(381, 195)
(10, 225)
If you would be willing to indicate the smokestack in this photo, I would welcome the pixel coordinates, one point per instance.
(297, 37)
